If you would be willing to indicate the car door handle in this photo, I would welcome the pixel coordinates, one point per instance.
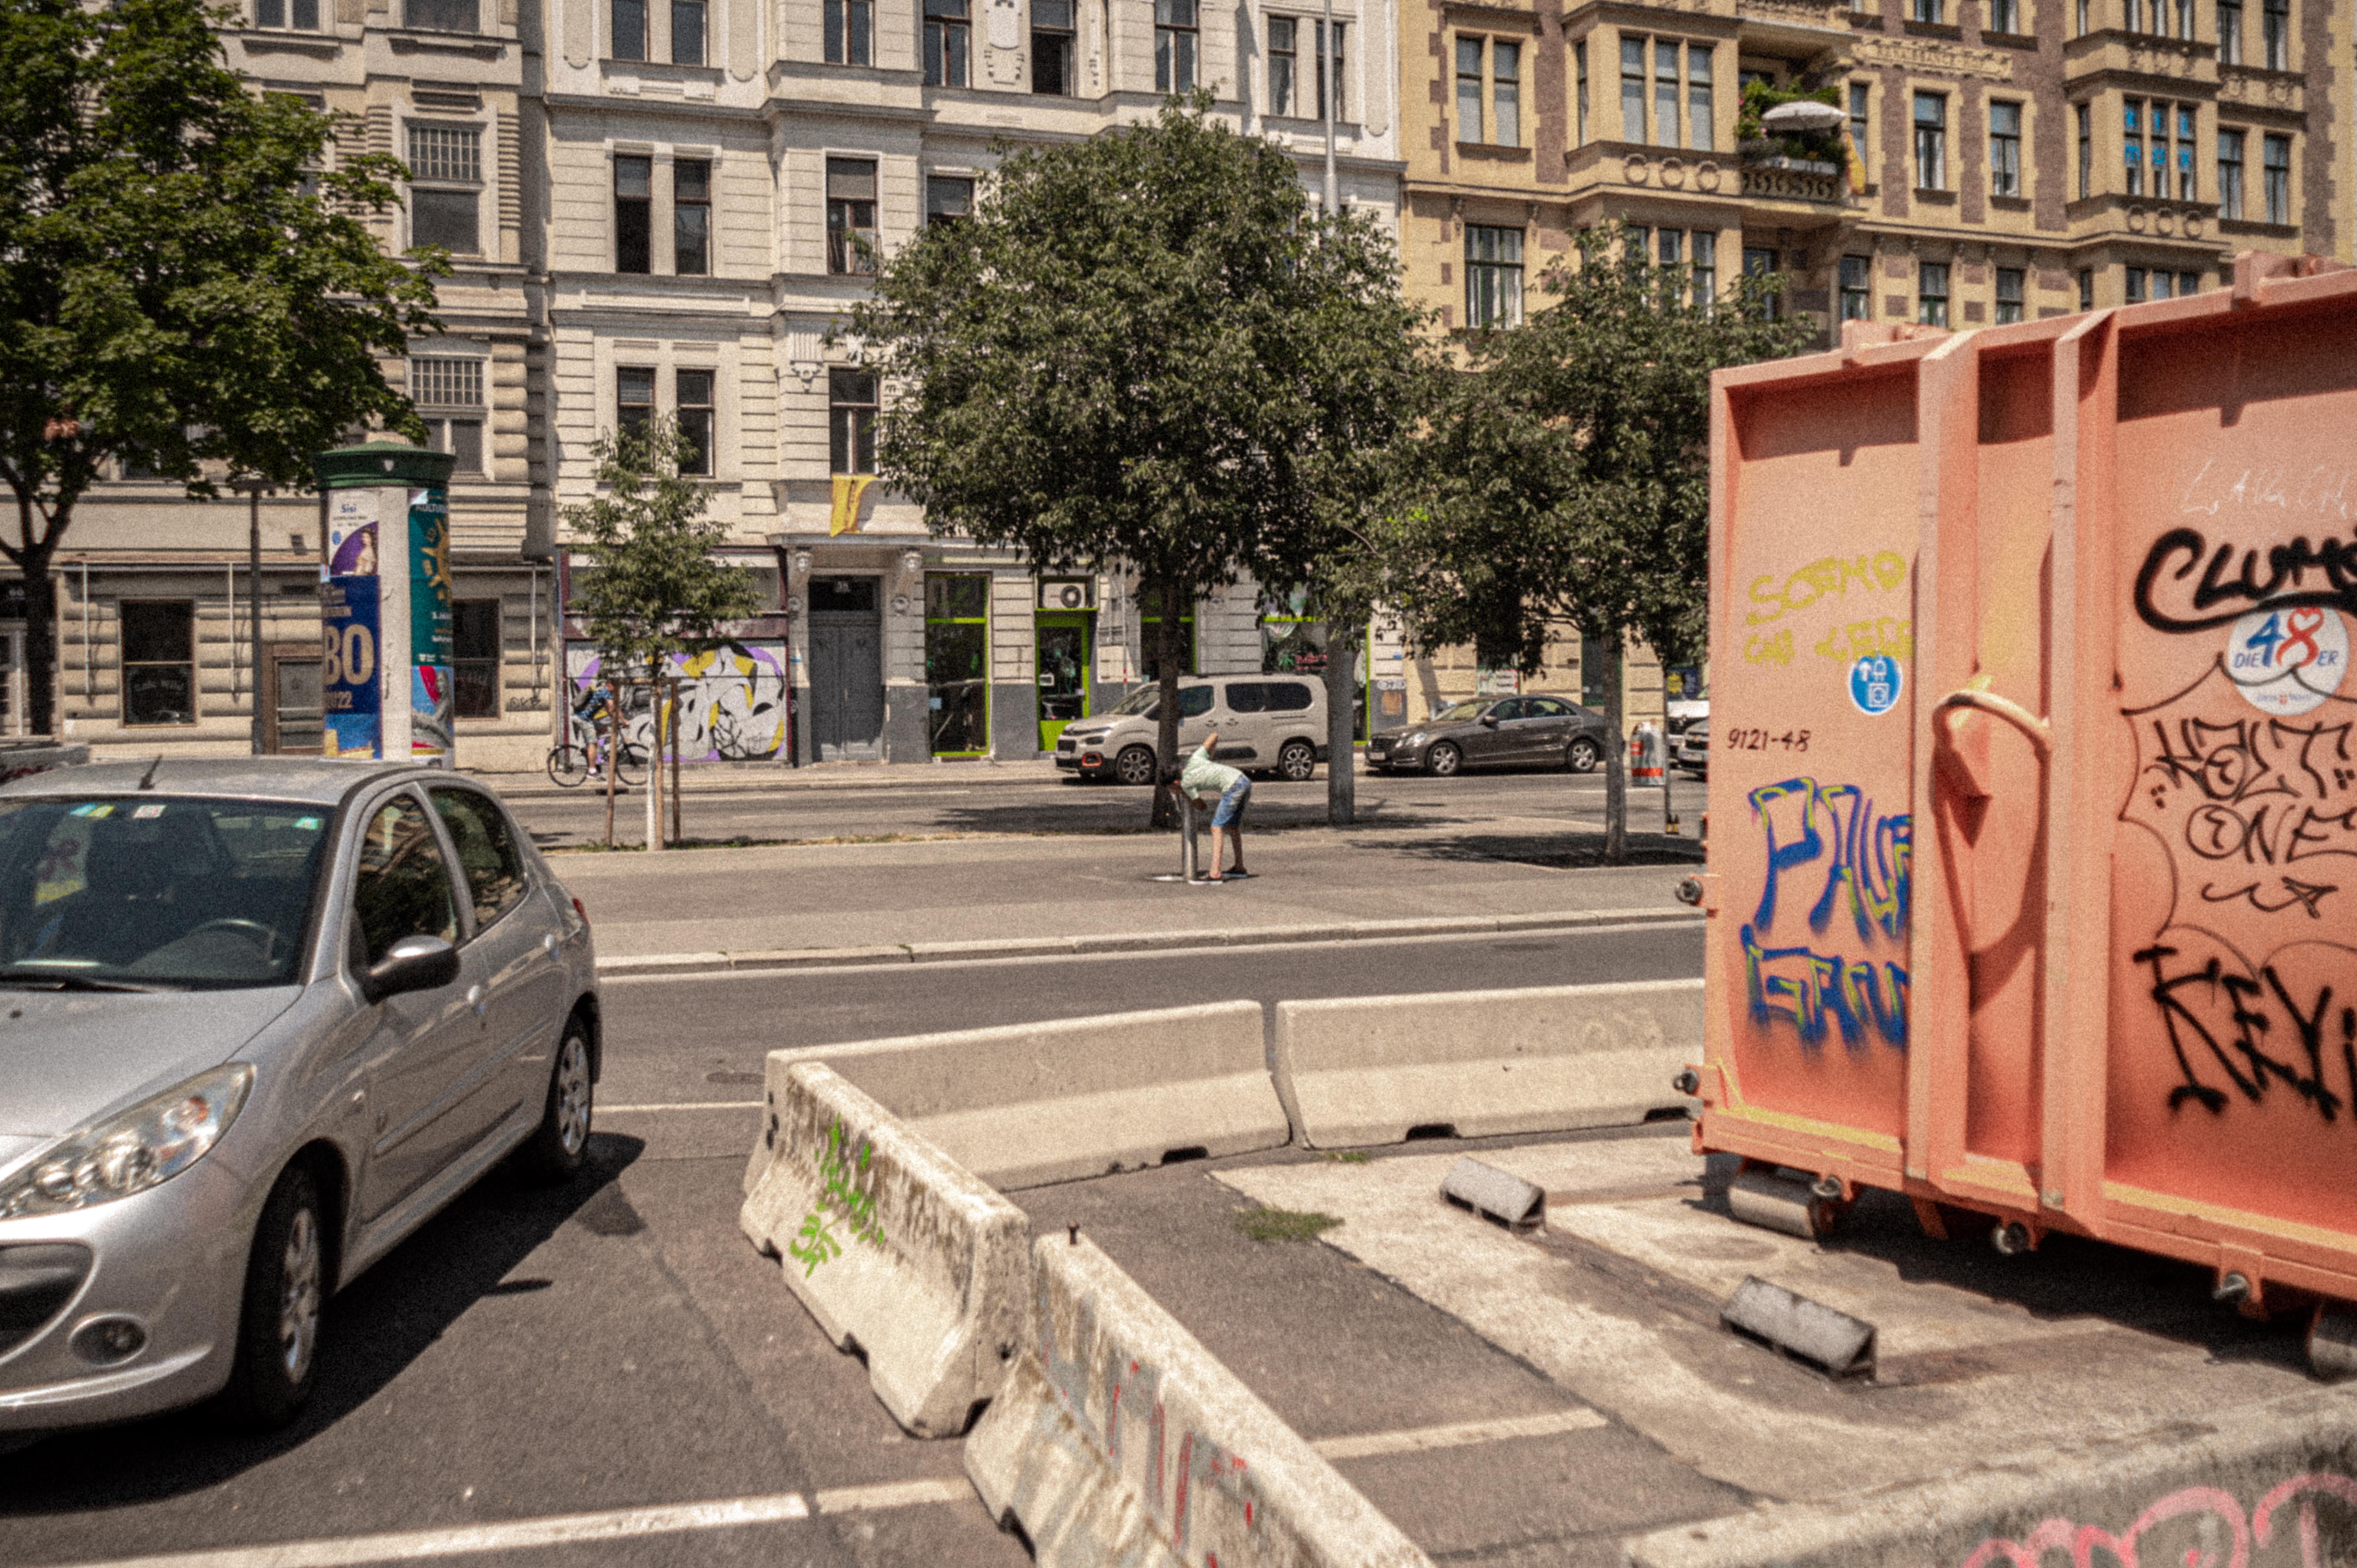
(475, 1000)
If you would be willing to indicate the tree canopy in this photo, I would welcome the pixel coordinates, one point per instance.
(188, 281)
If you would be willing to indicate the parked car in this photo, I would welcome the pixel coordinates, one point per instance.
(1694, 748)
(1266, 723)
(1531, 730)
(1680, 712)
(262, 1020)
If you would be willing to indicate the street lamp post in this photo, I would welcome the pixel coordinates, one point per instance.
(253, 490)
(1327, 54)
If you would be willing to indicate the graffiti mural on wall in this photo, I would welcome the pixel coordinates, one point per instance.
(2200, 1527)
(732, 701)
(1841, 869)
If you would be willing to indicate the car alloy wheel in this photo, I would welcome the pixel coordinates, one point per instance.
(1135, 764)
(1443, 760)
(1582, 755)
(278, 1321)
(1297, 761)
(299, 1296)
(553, 1152)
(572, 1092)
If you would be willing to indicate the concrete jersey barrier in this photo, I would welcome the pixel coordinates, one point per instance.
(1120, 1440)
(1367, 1069)
(1082, 1097)
(890, 1245)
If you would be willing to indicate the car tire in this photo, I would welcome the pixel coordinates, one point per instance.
(1582, 755)
(553, 1152)
(278, 1321)
(1297, 761)
(1134, 765)
(1443, 760)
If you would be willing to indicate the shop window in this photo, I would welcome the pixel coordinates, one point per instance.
(475, 659)
(1053, 47)
(1931, 294)
(634, 400)
(850, 216)
(441, 15)
(691, 217)
(445, 184)
(851, 420)
(2230, 174)
(850, 26)
(2278, 178)
(2004, 148)
(634, 214)
(947, 39)
(1174, 46)
(957, 661)
(687, 32)
(1292, 639)
(1931, 141)
(1493, 276)
(2008, 296)
(448, 394)
(159, 662)
(1150, 662)
(948, 199)
(629, 19)
(693, 389)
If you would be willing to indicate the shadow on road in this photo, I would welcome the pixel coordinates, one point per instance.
(372, 1331)
(1558, 852)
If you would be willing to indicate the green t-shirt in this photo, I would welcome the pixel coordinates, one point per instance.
(1204, 776)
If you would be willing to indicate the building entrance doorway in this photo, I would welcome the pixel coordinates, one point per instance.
(1067, 643)
(847, 670)
(291, 699)
(12, 681)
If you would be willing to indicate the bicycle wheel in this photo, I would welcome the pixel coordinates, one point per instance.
(631, 768)
(567, 765)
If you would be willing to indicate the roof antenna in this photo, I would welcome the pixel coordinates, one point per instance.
(148, 779)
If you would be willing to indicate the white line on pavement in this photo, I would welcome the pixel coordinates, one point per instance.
(689, 1105)
(891, 1495)
(1463, 1435)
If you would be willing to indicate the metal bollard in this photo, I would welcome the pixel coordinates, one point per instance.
(1188, 853)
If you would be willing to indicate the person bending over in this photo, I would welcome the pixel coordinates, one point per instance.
(1203, 779)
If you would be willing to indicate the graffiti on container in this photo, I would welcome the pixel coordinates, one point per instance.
(1882, 637)
(1828, 984)
(732, 701)
(1833, 577)
(1772, 648)
(2323, 490)
(2294, 574)
(1101, 1375)
(2215, 1013)
(840, 1168)
(2210, 1532)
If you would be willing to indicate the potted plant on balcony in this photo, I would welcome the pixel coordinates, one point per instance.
(1814, 151)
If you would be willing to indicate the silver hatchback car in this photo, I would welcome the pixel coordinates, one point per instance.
(259, 1020)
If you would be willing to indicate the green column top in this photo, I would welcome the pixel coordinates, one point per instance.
(382, 462)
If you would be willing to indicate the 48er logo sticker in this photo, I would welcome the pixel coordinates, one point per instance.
(2287, 660)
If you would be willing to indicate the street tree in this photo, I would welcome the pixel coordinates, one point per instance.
(1113, 363)
(186, 287)
(1563, 480)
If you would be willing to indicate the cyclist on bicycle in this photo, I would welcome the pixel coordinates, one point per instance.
(595, 710)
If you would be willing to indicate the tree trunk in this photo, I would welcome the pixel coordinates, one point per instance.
(613, 751)
(655, 766)
(674, 760)
(1342, 639)
(41, 643)
(1615, 758)
(1169, 639)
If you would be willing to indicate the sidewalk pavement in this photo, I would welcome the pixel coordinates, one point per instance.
(761, 778)
(788, 905)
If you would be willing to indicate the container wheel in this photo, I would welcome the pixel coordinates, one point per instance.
(2332, 1341)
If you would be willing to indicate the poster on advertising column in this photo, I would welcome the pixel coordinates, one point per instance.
(350, 628)
(430, 646)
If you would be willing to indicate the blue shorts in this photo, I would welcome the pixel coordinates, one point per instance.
(1230, 811)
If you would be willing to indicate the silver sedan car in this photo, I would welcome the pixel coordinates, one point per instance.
(259, 1021)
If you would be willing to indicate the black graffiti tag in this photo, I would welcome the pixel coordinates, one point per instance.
(2239, 1050)
(2296, 575)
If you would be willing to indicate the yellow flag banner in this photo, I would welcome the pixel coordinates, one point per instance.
(849, 489)
(1856, 173)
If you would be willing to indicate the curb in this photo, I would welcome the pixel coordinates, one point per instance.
(1139, 941)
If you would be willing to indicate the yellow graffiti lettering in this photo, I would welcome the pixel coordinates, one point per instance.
(1864, 639)
(1776, 647)
(1831, 577)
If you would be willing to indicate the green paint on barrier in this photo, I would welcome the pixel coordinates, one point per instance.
(1284, 1224)
(839, 1169)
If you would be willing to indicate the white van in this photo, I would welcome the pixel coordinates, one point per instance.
(1268, 724)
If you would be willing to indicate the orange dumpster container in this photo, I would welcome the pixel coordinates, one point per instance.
(2035, 889)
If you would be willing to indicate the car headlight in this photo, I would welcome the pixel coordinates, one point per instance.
(130, 1152)
(1414, 738)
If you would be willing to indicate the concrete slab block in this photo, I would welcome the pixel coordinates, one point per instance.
(893, 1248)
(1120, 1439)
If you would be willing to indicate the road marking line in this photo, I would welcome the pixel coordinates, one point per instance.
(415, 1545)
(1463, 1435)
(891, 1495)
(684, 1105)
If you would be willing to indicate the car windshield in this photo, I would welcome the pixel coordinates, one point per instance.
(154, 891)
(1139, 703)
(1461, 713)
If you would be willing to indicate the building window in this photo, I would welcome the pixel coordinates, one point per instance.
(2230, 32)
(629, 18)
(947, 198)
(1174, 46)
(2185, 181)
(2087, 151)
(850, 31)
(2275, 33)
(1672, 248)
(691, 217)
(1706, 267)
(302, 16)
(1289, 35)
(1506, 93)
(2277, 171)
(957, 662)
(2004, 16)
(1931, 294)
(1579, 63)
(2188, 283)
(449, 397)
(1665, 93)
(2008, 296)
(1760, 262)
(1632, 90)
(1493, 276)
(475, 659)
(691, 407)
(1701, 97)
(851, 420)
(2081, 18)
(634, 400)
(1051, 46)
(2184, 9)
(1861, 98)
(946, 36)
(1857, 288)
(445, 186)
(159, 666)
(2086, 288)
(1927, 11)
(634, 214)
(1468, 89)
(440, 16)
(1283, 65)
(2132, 147)
(1931, 141)
(2004, 149)
(2230, 174)
(850, 216)
(687, 32)
(2137, 277)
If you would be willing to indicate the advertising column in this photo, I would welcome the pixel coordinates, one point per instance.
(384, 604)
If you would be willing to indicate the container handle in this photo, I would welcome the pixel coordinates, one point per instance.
(2039, 734)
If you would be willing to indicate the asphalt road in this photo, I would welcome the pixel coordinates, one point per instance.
(615, 1348)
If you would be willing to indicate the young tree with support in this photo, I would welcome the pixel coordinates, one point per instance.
(1563, 478)
(186, 287)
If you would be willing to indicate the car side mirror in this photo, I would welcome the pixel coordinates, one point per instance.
(1488, 721)
(412, 963)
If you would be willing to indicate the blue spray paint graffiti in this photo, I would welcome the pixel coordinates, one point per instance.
(1866, 859)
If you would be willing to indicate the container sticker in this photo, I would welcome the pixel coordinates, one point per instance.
(1875, 683)
(2285, 662)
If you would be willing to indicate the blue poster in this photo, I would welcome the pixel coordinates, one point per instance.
(348, 665)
